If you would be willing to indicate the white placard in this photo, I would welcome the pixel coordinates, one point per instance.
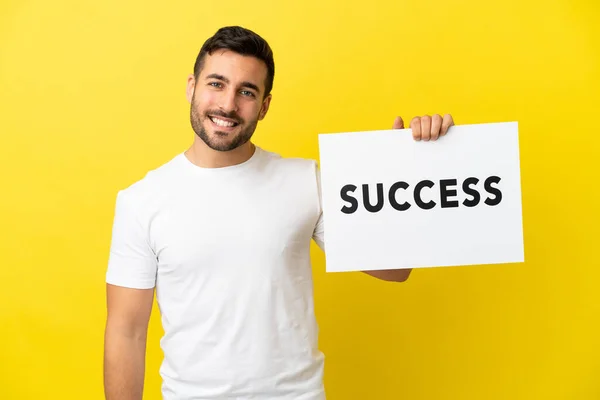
(455, 201)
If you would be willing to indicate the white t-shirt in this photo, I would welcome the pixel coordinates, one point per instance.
(228, 252)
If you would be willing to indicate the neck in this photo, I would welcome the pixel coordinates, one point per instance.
(203, 156)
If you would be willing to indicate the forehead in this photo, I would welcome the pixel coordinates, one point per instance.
(235, 67)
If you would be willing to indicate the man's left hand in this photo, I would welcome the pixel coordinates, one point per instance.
(427, 127)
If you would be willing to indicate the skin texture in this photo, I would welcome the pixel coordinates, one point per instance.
(128, 315)
(232, 88)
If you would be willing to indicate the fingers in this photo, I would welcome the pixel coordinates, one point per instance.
(415, 125)
(446, 124)
(428, 128)
(436, 125)
(398, 123)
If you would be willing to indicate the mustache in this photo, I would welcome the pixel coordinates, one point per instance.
(231, 115)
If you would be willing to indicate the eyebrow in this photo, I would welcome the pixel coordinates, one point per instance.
(243, 84)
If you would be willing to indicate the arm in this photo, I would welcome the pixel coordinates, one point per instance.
(125, 341)
(390, 275)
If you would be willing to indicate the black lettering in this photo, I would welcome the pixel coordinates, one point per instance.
(470, 191)
(380, 199)
(445, 193)
(418, 188)
(346, 197)
(492, 190)
(392, 196)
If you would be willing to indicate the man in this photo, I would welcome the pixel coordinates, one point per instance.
(222, 232)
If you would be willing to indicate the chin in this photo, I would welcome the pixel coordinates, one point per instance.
(220, 142)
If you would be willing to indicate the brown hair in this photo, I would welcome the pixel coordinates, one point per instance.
(242, 41)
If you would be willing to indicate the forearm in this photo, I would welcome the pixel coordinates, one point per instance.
(124, 365)
(391, 275)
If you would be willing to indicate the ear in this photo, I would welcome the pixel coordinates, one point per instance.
(189, 91)
(265, 107)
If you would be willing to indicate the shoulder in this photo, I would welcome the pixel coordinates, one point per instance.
(296, 174)
(152, 185)
(290, 165)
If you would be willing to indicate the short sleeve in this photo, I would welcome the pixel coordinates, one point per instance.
(319, 231)
(132, 262)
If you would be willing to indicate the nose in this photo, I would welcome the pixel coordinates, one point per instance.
(229, 101)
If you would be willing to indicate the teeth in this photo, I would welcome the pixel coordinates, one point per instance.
(220, 122)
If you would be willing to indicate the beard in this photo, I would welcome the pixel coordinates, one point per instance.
(219, 140)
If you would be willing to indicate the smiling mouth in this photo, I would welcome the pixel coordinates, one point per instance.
(223, 123)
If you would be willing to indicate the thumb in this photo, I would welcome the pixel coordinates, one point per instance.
(398, 123)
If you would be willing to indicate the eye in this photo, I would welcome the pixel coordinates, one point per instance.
(214, 84)
(247, 93)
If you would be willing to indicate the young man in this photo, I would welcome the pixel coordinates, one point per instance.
(222, 232)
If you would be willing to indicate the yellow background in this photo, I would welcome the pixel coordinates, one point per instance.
(92, 95)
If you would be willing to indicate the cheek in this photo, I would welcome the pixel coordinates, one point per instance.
(204, 100)
(252, 112)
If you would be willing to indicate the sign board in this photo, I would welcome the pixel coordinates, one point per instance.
(392, 202)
